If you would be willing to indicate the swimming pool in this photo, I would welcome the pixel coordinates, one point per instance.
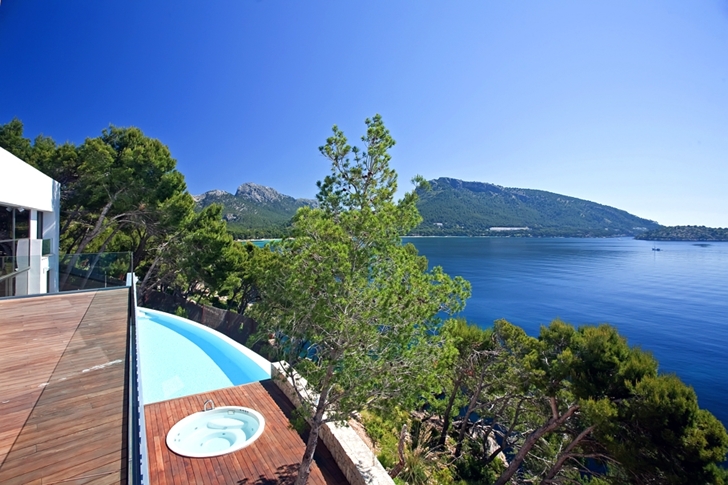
(179, 357)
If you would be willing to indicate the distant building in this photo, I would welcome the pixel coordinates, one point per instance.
(496, 229)
(30, 207)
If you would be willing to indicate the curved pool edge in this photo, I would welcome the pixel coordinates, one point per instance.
(234, 363)
(264, 363)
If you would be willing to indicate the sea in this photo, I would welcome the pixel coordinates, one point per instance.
(669, 298)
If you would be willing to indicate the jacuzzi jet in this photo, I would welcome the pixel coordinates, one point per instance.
(215, 432)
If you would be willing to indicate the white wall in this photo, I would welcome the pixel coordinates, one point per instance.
(23, 186)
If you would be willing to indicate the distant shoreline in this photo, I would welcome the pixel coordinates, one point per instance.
(265, 240)
(687, 234)
(511, 236)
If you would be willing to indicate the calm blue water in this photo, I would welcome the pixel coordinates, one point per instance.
(672, 302)
(178, 359)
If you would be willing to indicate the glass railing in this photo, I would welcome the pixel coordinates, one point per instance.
(7, 285)
(13, 264)
(7, 265)
(93, 270)
(14, 256)
(28, 267)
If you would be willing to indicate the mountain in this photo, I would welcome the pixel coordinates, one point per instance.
(451, 208)
(455, 207)
(254, 210)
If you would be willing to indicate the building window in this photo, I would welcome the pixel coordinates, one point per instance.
(22, 223)
(39, 225)
(7, 241)
(14, 225)
(6, 223)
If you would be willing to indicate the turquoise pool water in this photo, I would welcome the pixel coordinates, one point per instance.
(179, 357)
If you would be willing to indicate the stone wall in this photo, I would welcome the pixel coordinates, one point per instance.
(353, 456)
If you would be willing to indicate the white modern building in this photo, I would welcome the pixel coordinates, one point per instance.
(30, 208)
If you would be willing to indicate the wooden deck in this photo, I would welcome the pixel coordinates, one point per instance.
(272, 459)
(62, 389)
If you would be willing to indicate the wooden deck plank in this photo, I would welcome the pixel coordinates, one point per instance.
(63, 388)
(32, 346)
(273, 458)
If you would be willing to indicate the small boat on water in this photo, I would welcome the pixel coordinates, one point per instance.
(655, 249)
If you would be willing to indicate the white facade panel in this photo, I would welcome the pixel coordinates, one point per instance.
(28, 268)
(24, 186)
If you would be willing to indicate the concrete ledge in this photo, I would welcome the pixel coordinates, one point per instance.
(353, 456)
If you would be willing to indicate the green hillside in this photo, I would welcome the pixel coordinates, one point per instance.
(455, 207)
(254, 211)
(451, 208)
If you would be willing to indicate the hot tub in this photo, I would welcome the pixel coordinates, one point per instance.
(215, 432)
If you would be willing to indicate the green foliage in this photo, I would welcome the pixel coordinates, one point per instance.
(354, 311)
(348, 293)
(202, 260)
(685, 233)
(297, 421)
(121, 192)
(384, 428)
(122, 179)
(12, 140)
(575, 405)
(607, 400)
(472, 470)
(596, 362)
(424, 461)
(207, 247)
(663, 434)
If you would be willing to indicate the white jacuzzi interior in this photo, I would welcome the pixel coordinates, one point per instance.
(215, 432)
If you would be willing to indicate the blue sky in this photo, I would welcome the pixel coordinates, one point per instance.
(621, 102)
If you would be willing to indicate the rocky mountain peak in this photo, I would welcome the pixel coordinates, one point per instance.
(259, 193)
(210, 193)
